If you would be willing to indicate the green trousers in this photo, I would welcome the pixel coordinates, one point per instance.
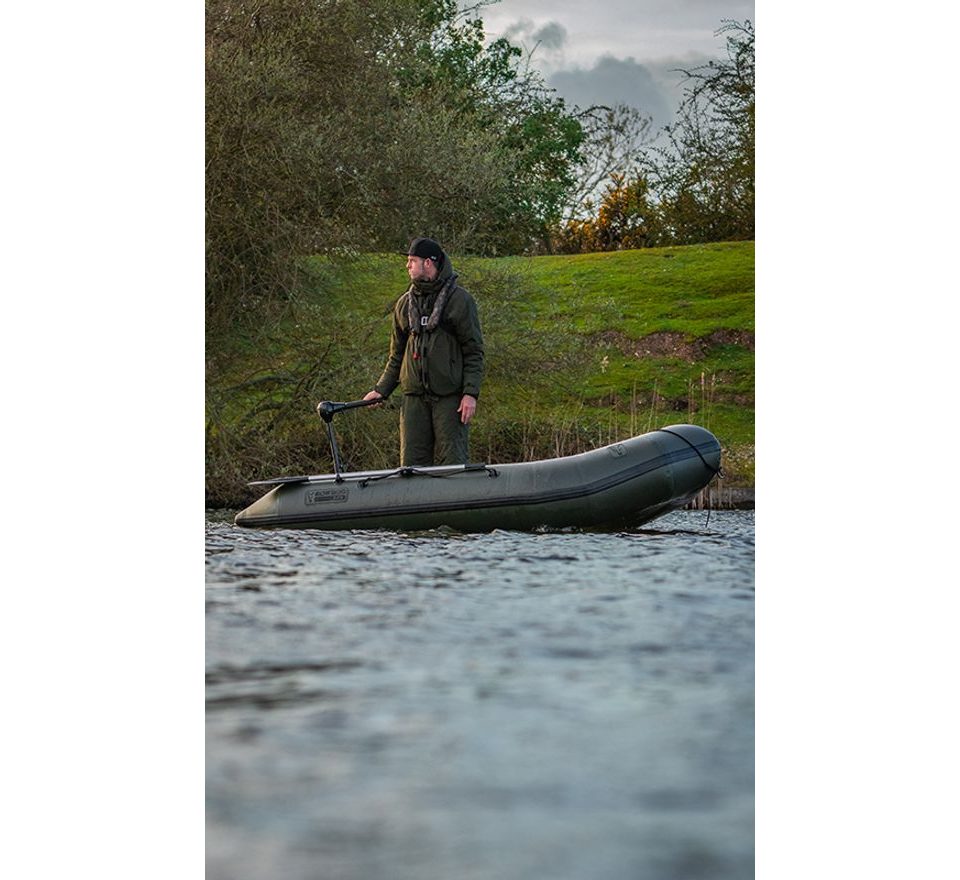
(431, 431)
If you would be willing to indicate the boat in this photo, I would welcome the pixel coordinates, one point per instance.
(622, 484)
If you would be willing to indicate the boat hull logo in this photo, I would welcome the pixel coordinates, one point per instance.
(325, 496)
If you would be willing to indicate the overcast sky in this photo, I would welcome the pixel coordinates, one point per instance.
(617, 51)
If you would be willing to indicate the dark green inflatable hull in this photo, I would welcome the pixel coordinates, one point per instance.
(625, 483)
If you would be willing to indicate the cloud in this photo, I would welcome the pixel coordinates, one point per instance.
(616, 81)
(545, 43)
(519, 30)
(647, 30)
(591, 59)
(552, 35)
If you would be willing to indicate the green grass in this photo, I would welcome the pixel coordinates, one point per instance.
(689, 290)
(581, 350)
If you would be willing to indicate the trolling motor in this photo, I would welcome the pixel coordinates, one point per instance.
(327, 410)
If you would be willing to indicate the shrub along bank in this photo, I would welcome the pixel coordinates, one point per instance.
(581, 351)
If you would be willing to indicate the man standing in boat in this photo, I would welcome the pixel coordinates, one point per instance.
(436, 357)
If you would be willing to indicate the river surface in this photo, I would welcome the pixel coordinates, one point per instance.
(505, 706)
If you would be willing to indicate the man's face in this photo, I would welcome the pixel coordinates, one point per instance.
(421, 269)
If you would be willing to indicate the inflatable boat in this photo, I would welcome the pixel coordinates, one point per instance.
(623, 484)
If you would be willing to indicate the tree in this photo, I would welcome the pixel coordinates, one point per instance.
(614, 138)
(625, 218)
(704, 179)
(289, 107)
(353, 125)
(700, 186)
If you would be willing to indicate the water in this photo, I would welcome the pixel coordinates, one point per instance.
(481, 707)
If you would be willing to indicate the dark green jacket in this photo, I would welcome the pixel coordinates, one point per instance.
(452, 361)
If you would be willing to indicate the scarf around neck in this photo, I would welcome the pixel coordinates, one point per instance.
(420, 322)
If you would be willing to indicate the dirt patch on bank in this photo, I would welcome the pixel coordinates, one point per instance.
(675, 345)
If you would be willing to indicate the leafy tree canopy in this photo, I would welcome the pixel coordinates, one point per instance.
(354, 125)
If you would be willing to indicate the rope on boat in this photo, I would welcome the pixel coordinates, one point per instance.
(417, 472)
(718, 472)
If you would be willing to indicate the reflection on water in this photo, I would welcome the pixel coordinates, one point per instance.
(503, 706)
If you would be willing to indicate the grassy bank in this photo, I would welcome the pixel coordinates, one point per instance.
(581, 351)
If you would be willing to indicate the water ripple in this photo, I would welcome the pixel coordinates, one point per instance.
(495, 707)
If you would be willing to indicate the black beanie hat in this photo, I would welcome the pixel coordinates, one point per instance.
(425, 248)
